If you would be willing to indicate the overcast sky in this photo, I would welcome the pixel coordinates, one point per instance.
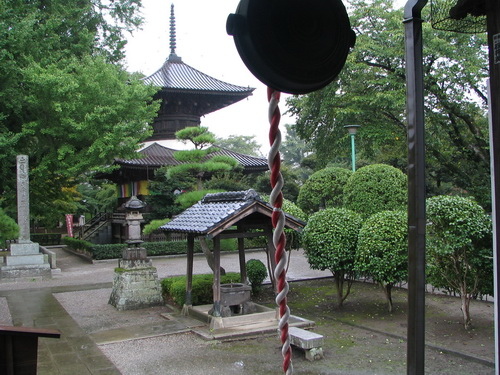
(202, 43)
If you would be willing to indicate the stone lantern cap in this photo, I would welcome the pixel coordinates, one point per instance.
(134, 204)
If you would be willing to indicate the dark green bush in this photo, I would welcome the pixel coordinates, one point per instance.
(46, 239)
(257, 273)
(202, 292)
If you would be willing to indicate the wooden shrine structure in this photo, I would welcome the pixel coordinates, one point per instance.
(240, 214)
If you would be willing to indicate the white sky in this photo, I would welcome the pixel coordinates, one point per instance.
(202, 42)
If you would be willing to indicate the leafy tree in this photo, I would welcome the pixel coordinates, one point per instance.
(198, 163)
(323, 189)
(375, 188)
(293, 149)
(459, 249)
(382, 251)
(244, 144)
(9, 230)
(65, 100)
(371, 91)
(163, 192)
(330, 238)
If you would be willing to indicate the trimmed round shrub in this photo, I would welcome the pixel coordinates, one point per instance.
(382, 251)
(202, 287)
(376, 188)
(459, 249)
(323, 189)
(330, 238)
(256, 273)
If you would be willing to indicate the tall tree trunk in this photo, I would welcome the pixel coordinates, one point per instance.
(388, 295)
(209, 255)
(339, 283)
(465, 298)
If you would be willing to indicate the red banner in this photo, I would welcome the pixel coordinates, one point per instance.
(69, 224)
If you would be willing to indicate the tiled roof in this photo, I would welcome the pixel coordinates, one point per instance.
(214, 210)
(176, 75)
(156, 155)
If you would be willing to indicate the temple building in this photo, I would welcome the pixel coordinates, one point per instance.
(186, 94)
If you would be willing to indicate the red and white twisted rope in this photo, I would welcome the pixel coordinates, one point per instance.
(278, 221)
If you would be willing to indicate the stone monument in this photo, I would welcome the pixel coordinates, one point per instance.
(135, 284)
(25, 259)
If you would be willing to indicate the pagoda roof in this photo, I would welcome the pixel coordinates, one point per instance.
(156, 155)
(176, 76)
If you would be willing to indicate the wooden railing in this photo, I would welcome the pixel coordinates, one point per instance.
(19, 349)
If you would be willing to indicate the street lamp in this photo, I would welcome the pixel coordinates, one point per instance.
(352, 129)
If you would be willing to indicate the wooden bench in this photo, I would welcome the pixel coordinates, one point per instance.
(310, 342)
(19, 349)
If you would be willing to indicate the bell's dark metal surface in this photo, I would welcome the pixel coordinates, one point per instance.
(292, 46)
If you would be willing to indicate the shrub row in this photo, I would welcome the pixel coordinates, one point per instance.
(202, 292)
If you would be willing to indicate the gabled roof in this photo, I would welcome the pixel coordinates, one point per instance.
(156, 155)
(219, 211)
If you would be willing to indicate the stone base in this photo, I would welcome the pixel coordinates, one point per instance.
(135, 288)
(41, 271)
(27, 248)
(27, 260)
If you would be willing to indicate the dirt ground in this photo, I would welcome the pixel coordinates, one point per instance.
(361, 338)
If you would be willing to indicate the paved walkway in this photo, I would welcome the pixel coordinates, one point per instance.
(33, 304)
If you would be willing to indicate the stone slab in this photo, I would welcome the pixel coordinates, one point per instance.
(29, 248)
(305, 339)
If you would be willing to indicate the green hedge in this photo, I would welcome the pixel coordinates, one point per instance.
(202, 292)
(114, 251)
(80, 246)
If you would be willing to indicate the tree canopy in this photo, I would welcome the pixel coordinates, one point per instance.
(65, 100)
(244, 144)
(371, 91)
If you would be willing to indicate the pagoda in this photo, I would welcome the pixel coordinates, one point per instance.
(186, 94)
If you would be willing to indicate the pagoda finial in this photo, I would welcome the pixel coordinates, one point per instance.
(173, 55)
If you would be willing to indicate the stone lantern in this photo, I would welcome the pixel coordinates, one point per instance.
(134, 255)
(135, 284)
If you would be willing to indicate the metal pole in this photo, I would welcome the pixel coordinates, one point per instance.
(416, 188)
(493, 21)
(353, 153)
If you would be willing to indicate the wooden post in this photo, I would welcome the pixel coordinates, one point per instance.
(493, 21)
(270, 255)
(189, 274)
(216, 285)
(241, 253)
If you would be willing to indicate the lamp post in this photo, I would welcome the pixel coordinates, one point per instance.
(352, 129)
